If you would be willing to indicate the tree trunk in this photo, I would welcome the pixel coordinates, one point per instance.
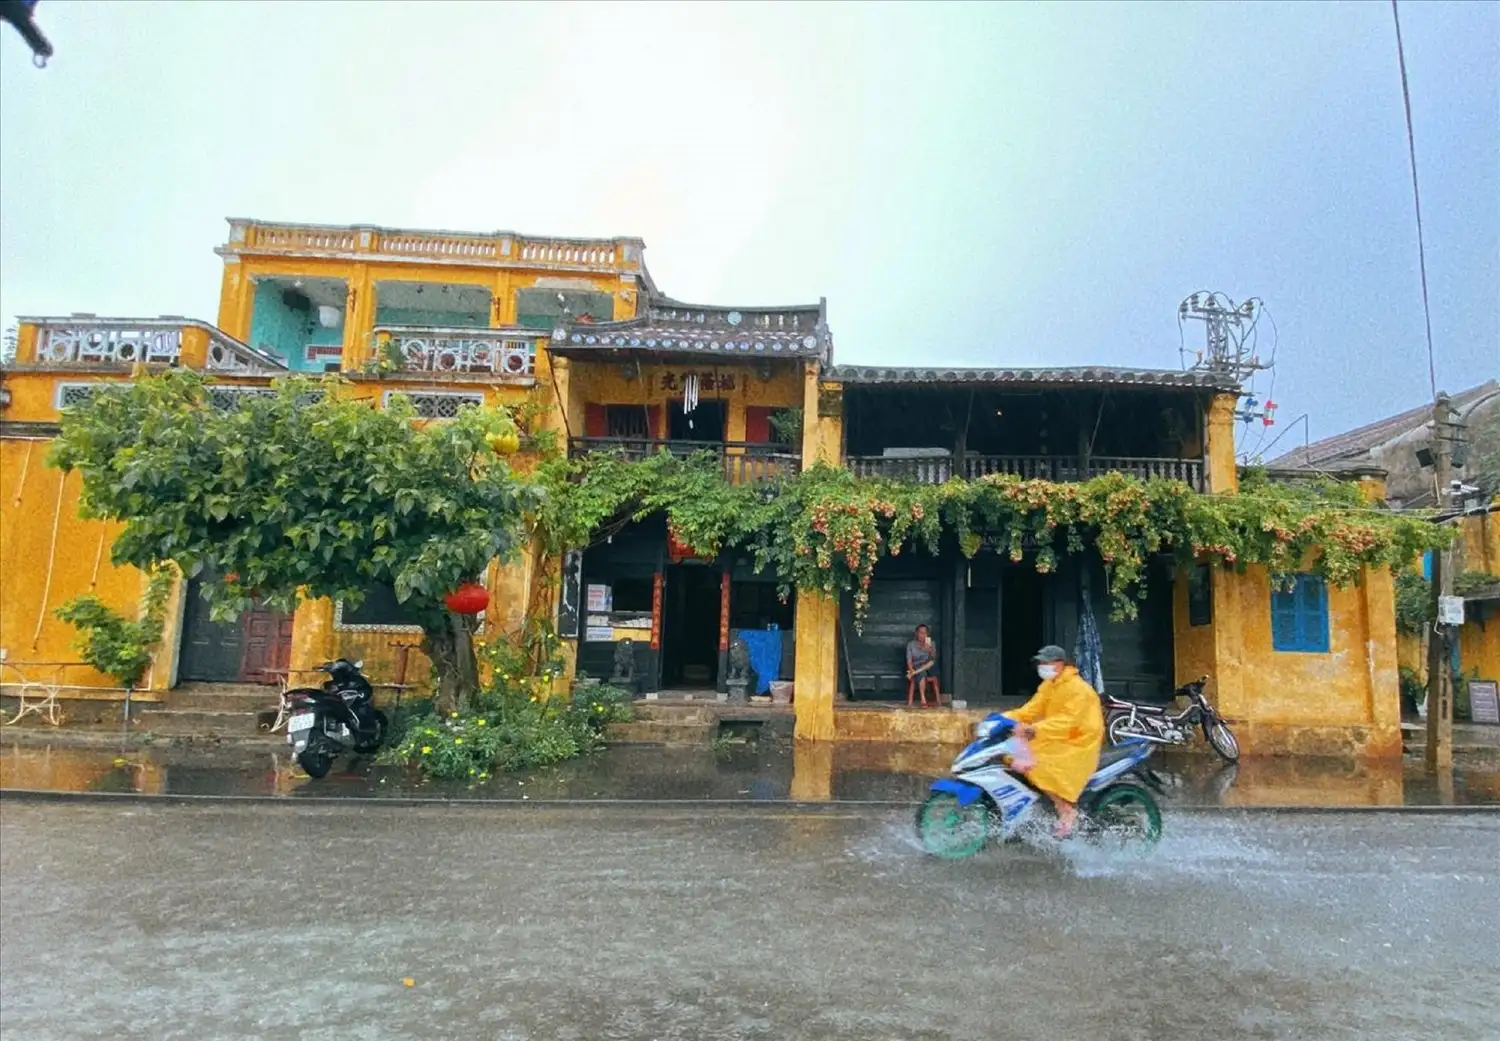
(451, 648)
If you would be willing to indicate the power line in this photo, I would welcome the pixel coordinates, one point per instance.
(1411, 144)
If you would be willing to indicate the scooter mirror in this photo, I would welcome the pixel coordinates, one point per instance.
(360, 664)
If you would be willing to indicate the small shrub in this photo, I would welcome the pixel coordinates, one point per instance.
(110, 642)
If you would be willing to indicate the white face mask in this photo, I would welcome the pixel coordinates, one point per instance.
(1048, 672)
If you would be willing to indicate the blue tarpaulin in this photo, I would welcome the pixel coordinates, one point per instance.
(765, 655)
(1089, 651)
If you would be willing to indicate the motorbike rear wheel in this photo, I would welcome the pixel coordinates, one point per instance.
(1120, 730)
(316, 760)
(1222, 739)
(949, 830)
(1124, 816)
(382, 731)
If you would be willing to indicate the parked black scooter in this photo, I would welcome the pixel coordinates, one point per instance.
(341, 717)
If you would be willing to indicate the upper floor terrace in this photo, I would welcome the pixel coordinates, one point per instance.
(1061, 424)
(324, 297)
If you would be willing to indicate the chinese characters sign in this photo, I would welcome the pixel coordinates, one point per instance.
(707, 381)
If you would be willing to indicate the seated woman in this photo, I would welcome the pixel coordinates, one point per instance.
(1065, 726)
(921, 668)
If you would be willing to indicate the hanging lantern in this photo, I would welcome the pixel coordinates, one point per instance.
(676, 548)
(469, 598)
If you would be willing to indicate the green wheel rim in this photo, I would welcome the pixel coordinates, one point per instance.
(1126, 816)
(949, 830)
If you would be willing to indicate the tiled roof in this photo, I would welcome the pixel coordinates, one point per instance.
(675, 327)
(1351, 446)
(1088, 375)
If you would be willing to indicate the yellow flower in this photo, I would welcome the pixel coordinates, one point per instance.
(484, 776)
(458, 740)
(426, 749)
(479, 722)
(453, 715)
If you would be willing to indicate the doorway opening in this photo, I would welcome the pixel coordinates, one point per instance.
(690, 627)
(1023, 592)
(254, 648)
(705, 423)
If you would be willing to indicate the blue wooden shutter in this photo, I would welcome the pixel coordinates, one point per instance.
(1283, 618)
(1313, 611)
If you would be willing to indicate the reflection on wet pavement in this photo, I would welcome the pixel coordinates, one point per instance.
(851, 772)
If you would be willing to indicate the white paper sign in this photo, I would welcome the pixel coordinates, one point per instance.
(599, 634)
(1451, 610)
(599, 598)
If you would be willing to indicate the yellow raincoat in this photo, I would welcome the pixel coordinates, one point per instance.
(1069, 730)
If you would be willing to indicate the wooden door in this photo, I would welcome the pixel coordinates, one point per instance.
(211, 651)
(267, 645)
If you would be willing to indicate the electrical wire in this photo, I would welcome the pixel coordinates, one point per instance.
(1411, 145)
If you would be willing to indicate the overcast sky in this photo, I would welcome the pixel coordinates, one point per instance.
(970, 184)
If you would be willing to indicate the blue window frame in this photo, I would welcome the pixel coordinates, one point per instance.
(1299, 615)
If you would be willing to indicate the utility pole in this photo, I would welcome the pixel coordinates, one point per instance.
(1439, 755)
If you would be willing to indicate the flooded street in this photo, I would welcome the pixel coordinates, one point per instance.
(853, 772)
(153, 920)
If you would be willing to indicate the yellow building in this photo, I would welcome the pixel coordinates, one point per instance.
(455, 318)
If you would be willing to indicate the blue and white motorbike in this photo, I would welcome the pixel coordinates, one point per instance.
(983, 798)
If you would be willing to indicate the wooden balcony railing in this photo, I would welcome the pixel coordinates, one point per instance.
(84, 341)
(509, 354)
(1062, 468)
(743, 462)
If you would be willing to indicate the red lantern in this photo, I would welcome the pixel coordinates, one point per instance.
(678, 550)
(469, 598)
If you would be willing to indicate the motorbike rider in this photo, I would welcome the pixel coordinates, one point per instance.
(1065, 726)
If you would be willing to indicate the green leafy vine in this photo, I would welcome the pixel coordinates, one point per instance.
(826, 529)
(113, 644)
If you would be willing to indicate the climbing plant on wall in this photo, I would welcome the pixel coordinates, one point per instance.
(825, 529)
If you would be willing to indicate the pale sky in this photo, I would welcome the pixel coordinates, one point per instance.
(1004, 184)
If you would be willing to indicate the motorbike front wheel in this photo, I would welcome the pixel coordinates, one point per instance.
(949, 830)
(380, 730)
(1124, 815)
(316, 760)
(1223, 741)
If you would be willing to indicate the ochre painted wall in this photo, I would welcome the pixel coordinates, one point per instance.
(1223, 474)
(41, 534)
(815, 678)
(1344, 701)
(1193, 645)
(603, 383)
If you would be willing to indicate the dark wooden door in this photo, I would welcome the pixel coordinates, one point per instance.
(211, 651)
(267, 645)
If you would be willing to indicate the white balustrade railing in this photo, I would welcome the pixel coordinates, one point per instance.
(108, 343)
(494, 352)
(123, 342)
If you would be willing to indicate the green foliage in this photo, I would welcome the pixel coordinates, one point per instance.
(1472, 583)
(1413, 603)
(509, 728)
(307, 492)
(825, 529)
(786, 426)
(1412, 685)
(113, 644)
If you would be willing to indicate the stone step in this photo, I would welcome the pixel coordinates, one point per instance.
(250, 699)
(196, 723)
(705, 713)
(197, 687)
(655, 732)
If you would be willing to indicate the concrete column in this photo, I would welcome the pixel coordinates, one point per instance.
(359, 317)
(1377, 589)
(1223, 473)
(815, 683)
